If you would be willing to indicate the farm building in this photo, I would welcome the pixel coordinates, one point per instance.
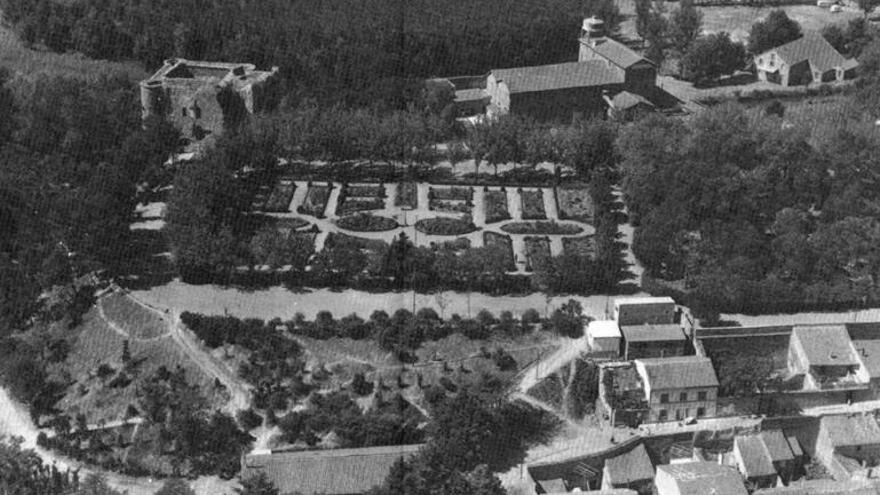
(632, 470)
(328, 472)
(191, 94)
(825, 355)
(698, 478)
(808, 59)
(565, 91)
(604, 336)
(849, 444)
(641, 310)
(764, 457)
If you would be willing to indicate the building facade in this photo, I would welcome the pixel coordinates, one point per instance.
(806, 60)
(678, 388)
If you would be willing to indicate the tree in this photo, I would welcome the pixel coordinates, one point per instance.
(96, 484)
(711, 57)
(653, 27)
(777, 29)
(175, 486)
(259, 484)
(867, 6)
(684, 26)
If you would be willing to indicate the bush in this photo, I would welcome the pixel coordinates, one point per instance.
(249, 419)
(451, 194)
(360, 385)
(350, 205)
(446, 226)
(365, 222)
(316, 201)
(531, 316)
(504, 360)
(542, 228)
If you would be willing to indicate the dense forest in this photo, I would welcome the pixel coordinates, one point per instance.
(754, 214)
(357, 52)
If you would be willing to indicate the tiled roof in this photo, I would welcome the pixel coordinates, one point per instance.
(849, 431)
(630, 467)
(618, 53)
(679, 372)
(755, 457)
(473, 94)
(621, 301)
(777, 446)
(652, 333)
(821, 487)
(813, 48)
(329, 472)
(702, 478)
(625, 99)
(826, 345)
(558, 76)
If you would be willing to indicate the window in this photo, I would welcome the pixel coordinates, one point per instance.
(664, 398)
(678, 415)
(683, 397)
(661, 415)
(701, 411)
(197, 111)
(702, 395)
(183, 111)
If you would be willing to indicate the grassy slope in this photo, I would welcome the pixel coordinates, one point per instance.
(27, 62)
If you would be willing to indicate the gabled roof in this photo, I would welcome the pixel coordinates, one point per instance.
(618, 53)
(622, 301)
(826, 345)
(630, 467)
(702, 478)
(329, 472)
(777, 446)
(558, 76)
(756, 462)
(652, 333)
(850, 431)
(821, 487)
(813, 48)
(625, 99)
(679, 372)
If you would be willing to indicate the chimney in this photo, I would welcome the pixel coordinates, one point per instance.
(593, 30)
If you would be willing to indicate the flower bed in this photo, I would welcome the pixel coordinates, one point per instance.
(496, 206)
(533, 205)
(495, 239)
(537, 251)
(280, 197)
(450, 206)
(446, 226)
(365, 222)
(579, 246)
(451, 193)
(542, 228)
(407, 195)
(316, 201)
(351, 205)
(575, 204)
(364, 191)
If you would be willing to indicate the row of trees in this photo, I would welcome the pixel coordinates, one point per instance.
(358, 53)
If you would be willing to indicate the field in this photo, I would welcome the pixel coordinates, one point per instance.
(738, 20)
(575, 204)
(822, 115)
(132, 318)
(533, 205)
(98, 344)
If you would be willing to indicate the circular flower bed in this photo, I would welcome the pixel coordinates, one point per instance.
(445, 226)
(542, 228)
(364, 222)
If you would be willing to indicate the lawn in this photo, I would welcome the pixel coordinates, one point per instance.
(451, 193)
(349, 205)
(445, 226)
(575, 204)
(496, 206)
(132, 318)
(315, 202)
(364, 191)
(364, 222)
(533, 205)
(823, 116)
(496, 239)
